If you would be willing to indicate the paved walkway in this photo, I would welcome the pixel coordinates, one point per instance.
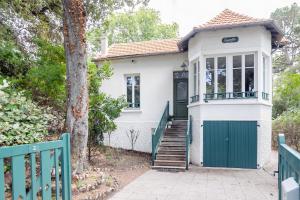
(201, 184)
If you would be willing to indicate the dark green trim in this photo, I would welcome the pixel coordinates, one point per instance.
(230, 144)
(230, 95)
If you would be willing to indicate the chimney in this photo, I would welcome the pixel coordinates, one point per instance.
(104, 45)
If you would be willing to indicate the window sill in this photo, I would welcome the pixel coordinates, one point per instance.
(131, 110)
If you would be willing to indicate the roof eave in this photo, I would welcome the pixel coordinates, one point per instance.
(183, 44)
(134, 56)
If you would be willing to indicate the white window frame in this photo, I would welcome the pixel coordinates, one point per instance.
(132, 76)
(196, 77)
(229, 70)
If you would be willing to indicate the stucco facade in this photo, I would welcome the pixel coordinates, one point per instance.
(156, 74)
(240, 89)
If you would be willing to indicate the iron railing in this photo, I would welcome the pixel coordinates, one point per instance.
(54, 156)
(230, 95)
(194, 98)
(288, 163)
(159, 131)
(188, 142)
(265, 96)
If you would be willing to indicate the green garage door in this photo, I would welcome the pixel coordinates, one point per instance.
(230, 144)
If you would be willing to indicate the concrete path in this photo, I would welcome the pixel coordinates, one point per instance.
(201, 184)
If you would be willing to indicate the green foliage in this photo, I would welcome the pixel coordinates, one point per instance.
(141, 25)
(286, 93)
(289, 124)
(288, 19)
(46, 79)
(13, 61)
(103, 109)
(21, 121)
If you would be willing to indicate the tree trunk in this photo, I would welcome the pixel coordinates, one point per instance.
(77, 88)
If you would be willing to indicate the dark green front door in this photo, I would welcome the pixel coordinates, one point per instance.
(230, 144)
(180, 95)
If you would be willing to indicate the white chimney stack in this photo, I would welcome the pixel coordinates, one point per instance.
(104, 45)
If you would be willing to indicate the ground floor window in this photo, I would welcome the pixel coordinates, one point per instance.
(133, 91)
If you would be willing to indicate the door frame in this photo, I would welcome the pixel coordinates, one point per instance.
(185, 76)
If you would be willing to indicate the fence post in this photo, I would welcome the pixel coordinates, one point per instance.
(66, 168)
(281, 140)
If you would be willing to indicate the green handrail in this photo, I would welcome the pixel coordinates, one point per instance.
(159, 131)
(288, 163)
(188, 141)
(53, 155)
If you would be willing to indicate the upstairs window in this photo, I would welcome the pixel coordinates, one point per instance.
(249, 73)
(196, 80)
(221, 73)
(210, 75)
(133, 91)
(237, 73)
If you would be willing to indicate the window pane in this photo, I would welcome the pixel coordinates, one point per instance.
(221, 62)
(249, 80)
(264, 75)
(237, 61)
(182, 91)
(221, 80)
(210, 81)
(137, 80)
(137, 96)
(129, 96)
(210, 63)
(195, 78)
(249, 60)
(237, 80)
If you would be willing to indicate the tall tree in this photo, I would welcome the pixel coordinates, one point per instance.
(288, 19)
(140, 25)
(74, 24)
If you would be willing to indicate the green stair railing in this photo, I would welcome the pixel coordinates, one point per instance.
(288, 163)
(49, 163)
(188, 141)
(159, 131)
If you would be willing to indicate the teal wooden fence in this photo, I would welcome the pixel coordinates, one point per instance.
(288, 163)
(44, 161)
(159, 131)
(188, 142)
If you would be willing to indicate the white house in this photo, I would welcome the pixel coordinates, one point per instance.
(220, 74)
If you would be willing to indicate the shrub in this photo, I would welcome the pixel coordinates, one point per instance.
(21, 121)
(47, 77)
(289, 124)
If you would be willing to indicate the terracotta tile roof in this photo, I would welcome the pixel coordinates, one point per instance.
(154, 47)
(228, 17)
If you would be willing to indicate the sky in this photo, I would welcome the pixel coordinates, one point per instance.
(190, 13)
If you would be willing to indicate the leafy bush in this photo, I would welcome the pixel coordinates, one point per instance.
(103, 109)
(286, 93)
(13, 61)
(21, 121)
(46, 79)
(289, 124)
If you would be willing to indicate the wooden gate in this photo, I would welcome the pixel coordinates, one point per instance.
(288, 163)
(49, 165)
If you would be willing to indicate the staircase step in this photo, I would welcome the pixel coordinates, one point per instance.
(171, 152)
(172, 144)
(173, 139)
(170, 157)
(177, 163)
(169, 168)
(173, 136)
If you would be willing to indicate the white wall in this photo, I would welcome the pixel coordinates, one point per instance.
(256, 40)
(156, 88)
